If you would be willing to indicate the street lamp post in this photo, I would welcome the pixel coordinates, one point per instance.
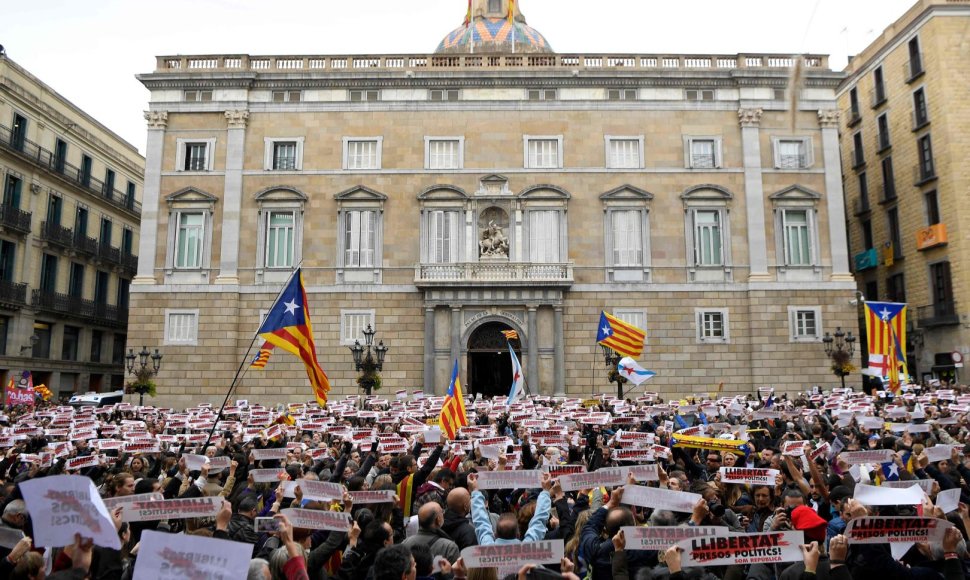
(368, 360)
(142, 372)
(840, 349)
(612, 359)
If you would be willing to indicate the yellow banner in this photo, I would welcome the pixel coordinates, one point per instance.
(432, 422)
(591, 403)
(711, 443)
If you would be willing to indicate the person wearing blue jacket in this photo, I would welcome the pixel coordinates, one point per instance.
(507, 530)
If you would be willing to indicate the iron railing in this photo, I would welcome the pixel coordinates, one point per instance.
(12, 295)
(14, 218)
(74, 307)
(942, 313)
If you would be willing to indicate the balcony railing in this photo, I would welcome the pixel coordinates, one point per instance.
(702, 161)
(47, 161)
(13, 296)
(938, 314)
(877, 96)
(882, 138)
(57, 234)
(74, 307)
(792, 162)
(486, 273)
(913, 68)
(85, 245)
(923, 172)
(862, 205)
(129, 262)
(15, 219)
(852, 115)
(109, 254)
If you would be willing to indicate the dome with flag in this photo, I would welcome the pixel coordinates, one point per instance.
(485, 35)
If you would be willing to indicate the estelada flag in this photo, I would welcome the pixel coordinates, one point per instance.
(886, 334)
(287, 326)
(622, 337)
(262, 357)
(453, 414)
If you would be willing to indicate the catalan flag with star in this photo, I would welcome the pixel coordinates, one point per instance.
(262, 357)
(287, 326)
(622, 337)
(510, 334)
(453, 414)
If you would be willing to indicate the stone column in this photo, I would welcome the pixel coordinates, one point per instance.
(455, 335)
(232, 197)
(828, 120)
(532, 366)
(560, 356)
(429, 349)
(148, 232)
(754, 198)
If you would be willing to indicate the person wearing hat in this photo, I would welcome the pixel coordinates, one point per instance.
(804, 519)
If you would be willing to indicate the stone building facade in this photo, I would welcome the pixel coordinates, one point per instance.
(445, 197)
(905, 132)
(68, 236)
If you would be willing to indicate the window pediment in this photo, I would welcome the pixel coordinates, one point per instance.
(361, 196)
(443, 192)
(543, 191)
(281, 193)
(707, 193)
(796, 194)
(191, 196)
(493, 184)
(627, 193)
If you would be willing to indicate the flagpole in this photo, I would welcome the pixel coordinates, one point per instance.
(240, 372)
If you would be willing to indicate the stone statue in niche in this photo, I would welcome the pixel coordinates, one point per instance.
(493, 243)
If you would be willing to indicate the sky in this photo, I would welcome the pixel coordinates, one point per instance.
(90, 50)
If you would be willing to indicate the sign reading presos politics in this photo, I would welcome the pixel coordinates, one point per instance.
(748, 475)
(609, 477)
(523, 479)
(894, 530)
(662, 499)
(64, 505)
(178, 556)
(268, 454)
(513, 556)
(320, 490)
(113, 502)
(663, 537)
(738, 549)
(317, 519)
(871, 456)
(377, 496)
(195, 507)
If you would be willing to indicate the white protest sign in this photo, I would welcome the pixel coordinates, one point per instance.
(662, 537)
(609, 477)
(793, 448)
(64, 505)
(918, 428)
(748, 475)
(938, 453)
(432, 435)
(948, 500)
(871, 456)
(266, 475)
(216, 464)
(489, 451)
(657, 498)
(509, 556)
(113, 502)
(377, 496)
(769, 548)
(647, 472)
(318, 520)
(925, 484)
(320, 490)
(870, 495)
(9, 537)
(82, 462)
(523, 479)
(268, 454)
(179, 556)
(893, 530)
(195, 507)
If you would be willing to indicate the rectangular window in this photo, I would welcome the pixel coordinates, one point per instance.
(189, 238)
(858, 154)
(791, 154)
(798, 237)
(543, 153)
(872, 291)
(124, 294)
(181, 326)
(118, 349)
(284, 155)
(60, 155)
(494, 6)
(360, 238)
(48, 273)
(544, 236)
(932, 208)
(4, 330)
(363, 154)
(18, 132)
(882, 136)
(627, 228)
(879, 90)
(703, 153)
(72, 335)
(443, 236)
(353, 323)
(853, 104)
(126, 241)
(888, 179)
(75, 287)
(707, 238)
(712, 325)
(287, 96)
(867, 234)
(637, 318)
(894, 237)
(198, 96)
(444, 94)
(359, 96)
(42, 348)
(101, 287)
(896, 288)
(97, 337)
(624, 154)
(280, 236)
(542, 94)
(444, 154)
(84, 176)
(196, 157)
(81, 223)
(699, 94)
(921, 115)
(804, 323)
(105, 231)
(11, 191)
(130, 195)
(863, 191)
(926, 168)
(109, 183)
(8, 259)
(915, 65)
(942, 288)
(54, 204)
(622, 94)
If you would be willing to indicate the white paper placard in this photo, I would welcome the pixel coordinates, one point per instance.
(925, 484)
(179, 556)
(748, 475)
(112, 502)
(269, 454)
(376, 496)
(521, 479)
(938, 453)
(63, 505)
(657, 498)
(662, 537)
(318, 520)
(266, 475)
(948, 500)
(508, 556)
(609, 477)
(870, 456)
(894, 530)
(195, 507)
(9, 537)
(870, 495)
(741, 549)
(320, 490)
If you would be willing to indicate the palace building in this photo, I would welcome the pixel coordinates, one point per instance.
(905, 128)
(494, 184)
(68, 236)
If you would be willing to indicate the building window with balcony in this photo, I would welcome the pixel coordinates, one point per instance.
(921, 114)
(712, 325)
(926, 169)
(195, 154)
(124, 295)
(867, 242)
(888, 180)
(353, 323)
(624, 152)
(283, 154)
(702, 152)
(797, 238)
(914, 67)
(804, 323)
(60, 155)
(54, 204)
(84, 174)
(360, 235)
(708, 233)
(444, 236)
(189, 235)
(879, 88)
(932, 203)
(542, 94)
(109, 183)
(48, 273)
(858, 153)
(130, 195)
(81, 223)
(793, 153)
(882, 134)
(43, 331)
(4, 331)
(8, 260)
(360, 96)
(863, 192)
(444, 152)
(75, 285)
(11, 191)
(97, 338)
(105, 231)
(543, 152)
(101, 279)
(18, 132)
(72, 336)
(943, 310)
(181, 327)
(894, 236)
(854, 109)
(280, 232)
(896, 288)
(621, 94)
(362, 153)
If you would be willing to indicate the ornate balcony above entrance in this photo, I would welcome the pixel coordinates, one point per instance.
(492, 273)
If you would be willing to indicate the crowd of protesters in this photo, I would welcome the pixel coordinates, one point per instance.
(439, 510)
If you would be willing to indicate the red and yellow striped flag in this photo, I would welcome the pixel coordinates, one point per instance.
(453, 414)
(622, 337)
(510, 334)
(262, 357)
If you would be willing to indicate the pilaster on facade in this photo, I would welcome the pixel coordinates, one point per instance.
(828, 120)
(154, 155)
(232, 197)
(750, 120)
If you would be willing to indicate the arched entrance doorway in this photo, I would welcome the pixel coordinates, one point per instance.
(489, 363)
